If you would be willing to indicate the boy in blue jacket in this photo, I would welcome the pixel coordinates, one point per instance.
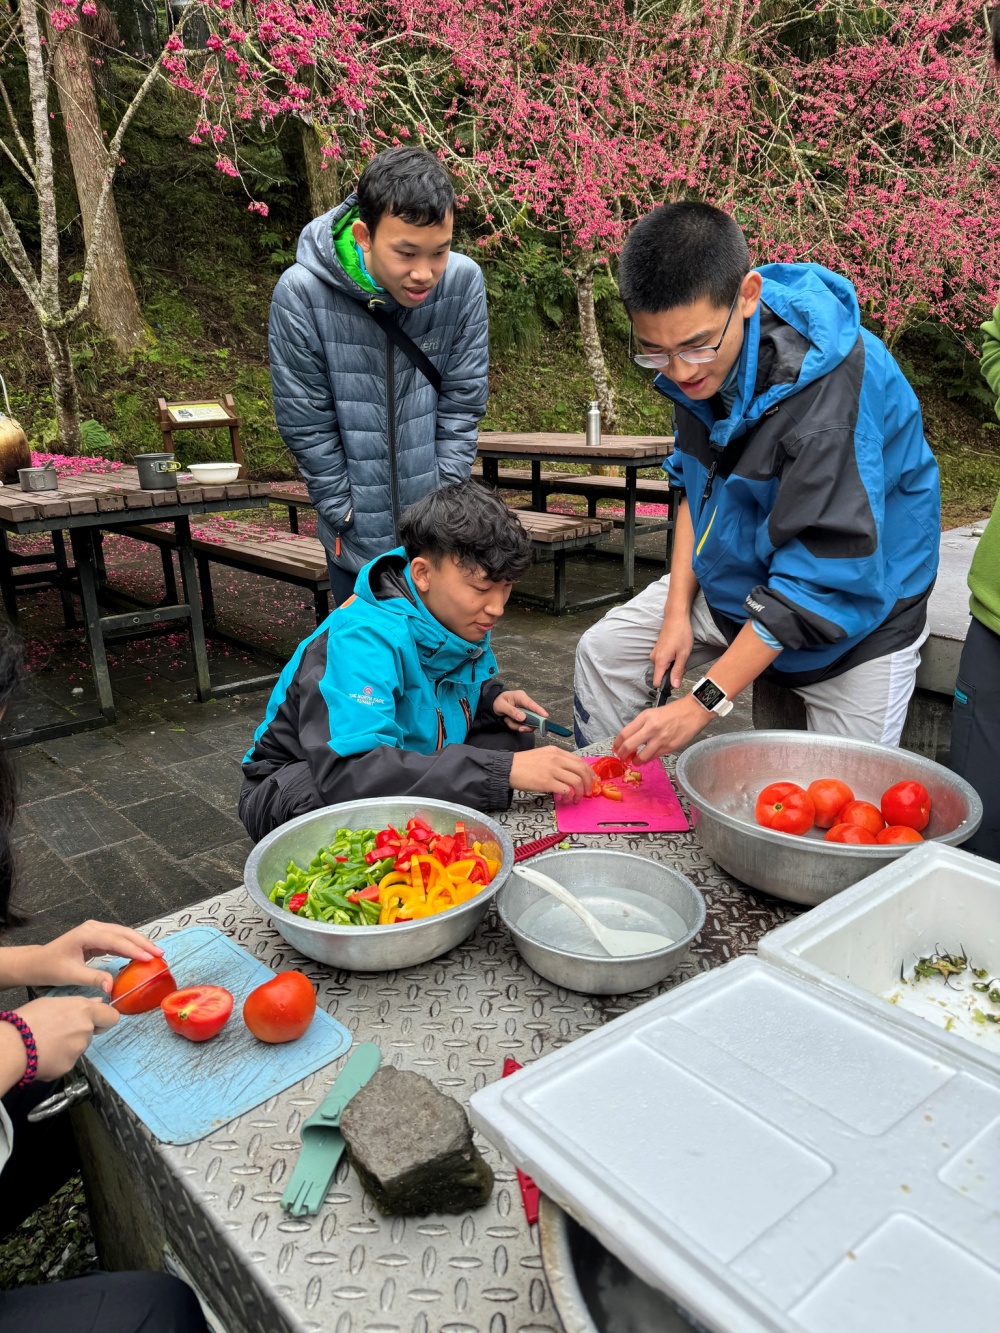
(397, 692)
(807, 537)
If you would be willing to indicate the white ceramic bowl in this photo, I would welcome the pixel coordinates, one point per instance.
(214, 474)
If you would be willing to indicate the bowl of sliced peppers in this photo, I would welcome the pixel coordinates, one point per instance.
(375, 885)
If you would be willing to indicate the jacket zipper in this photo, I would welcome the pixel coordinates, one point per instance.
(390, 417)
(468, 714)
(440, 744)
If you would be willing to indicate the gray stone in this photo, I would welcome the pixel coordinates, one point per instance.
(412, 1147)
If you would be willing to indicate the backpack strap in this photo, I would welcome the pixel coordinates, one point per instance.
(407, 346)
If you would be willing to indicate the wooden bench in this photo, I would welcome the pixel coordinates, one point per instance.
(553, 537)
(283, 555)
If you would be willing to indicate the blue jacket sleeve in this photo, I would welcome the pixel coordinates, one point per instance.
(353, 744)
(304, 407)
(464, 388)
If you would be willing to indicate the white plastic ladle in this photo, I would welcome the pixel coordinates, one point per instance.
(618, 943)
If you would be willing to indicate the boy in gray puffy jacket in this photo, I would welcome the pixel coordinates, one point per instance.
(371, 430)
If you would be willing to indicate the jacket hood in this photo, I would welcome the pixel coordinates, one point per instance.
(806, 323)
(386, 583)
(317, 253)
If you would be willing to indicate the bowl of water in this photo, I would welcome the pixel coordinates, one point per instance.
(625, 892)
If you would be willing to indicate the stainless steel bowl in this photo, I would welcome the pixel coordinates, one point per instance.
(371, 948)
(605, 880)
(722, 776)
(592, 1290)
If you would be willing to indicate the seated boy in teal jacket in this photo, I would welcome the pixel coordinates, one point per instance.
(397, 693)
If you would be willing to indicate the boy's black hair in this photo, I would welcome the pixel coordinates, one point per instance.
(679, 254)
(409, 183)
(472, 524)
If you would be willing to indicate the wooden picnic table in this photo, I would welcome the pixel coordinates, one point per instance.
(214, 1205)
(631, 452)
(85, 503)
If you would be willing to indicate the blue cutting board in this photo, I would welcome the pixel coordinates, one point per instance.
(184, 1090)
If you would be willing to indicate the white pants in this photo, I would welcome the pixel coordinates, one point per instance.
(614, 675)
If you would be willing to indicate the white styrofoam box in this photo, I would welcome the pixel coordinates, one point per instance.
(856, 942)
(769, 1156)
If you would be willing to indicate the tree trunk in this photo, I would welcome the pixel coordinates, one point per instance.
(593, 352)
(113, 301)
(64, 390)
(323, 182)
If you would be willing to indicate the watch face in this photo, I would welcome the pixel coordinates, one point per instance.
(708, 694)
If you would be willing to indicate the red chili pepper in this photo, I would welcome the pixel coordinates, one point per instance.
(296, 902)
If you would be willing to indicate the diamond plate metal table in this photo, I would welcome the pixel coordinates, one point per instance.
(216, 1203)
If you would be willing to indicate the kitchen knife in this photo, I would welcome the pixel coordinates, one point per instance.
(542, 724)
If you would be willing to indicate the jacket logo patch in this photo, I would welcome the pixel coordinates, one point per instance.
(430, 344)
(754, 606)
(367, 696)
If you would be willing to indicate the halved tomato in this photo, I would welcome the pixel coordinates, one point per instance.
(609, 767)
(199, 1012)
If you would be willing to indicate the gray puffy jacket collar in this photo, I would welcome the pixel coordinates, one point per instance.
(316, 252)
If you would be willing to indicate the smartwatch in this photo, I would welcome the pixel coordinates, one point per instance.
(712, 697)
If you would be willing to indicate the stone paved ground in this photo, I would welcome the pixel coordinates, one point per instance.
(133, 820)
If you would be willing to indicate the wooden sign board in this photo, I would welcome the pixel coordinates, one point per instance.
(200, 416)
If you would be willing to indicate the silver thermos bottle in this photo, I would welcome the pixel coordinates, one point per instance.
(592, 429)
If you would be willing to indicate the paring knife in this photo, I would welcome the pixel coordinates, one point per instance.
(322, 1141)
(135, 989)
(542, 724)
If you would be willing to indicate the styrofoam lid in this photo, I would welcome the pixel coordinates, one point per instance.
(770, 1156)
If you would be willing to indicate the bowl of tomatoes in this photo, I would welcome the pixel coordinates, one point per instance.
(802, 815)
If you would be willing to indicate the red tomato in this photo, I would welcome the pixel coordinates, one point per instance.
(898, 833)
(281, 1009)
(785, 807)
(199, 1012)
(864, 814)
(137, 973)
(849, 833)
(907, 803)
(830, 795)
(609, 767)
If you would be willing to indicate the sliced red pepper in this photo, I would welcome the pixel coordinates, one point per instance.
(419, 828)
(461, 841)
(296, 902)
(370, 894)
(444, 849)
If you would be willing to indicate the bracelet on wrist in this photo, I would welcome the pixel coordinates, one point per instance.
(31, 1072)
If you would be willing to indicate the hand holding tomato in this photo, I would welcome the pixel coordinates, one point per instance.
(155, 980)
(785, 807)
(281, 1009)
(907, 803)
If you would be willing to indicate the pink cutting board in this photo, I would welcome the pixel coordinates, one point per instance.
(652, 807)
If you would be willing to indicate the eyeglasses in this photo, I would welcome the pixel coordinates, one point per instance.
(694, 355)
